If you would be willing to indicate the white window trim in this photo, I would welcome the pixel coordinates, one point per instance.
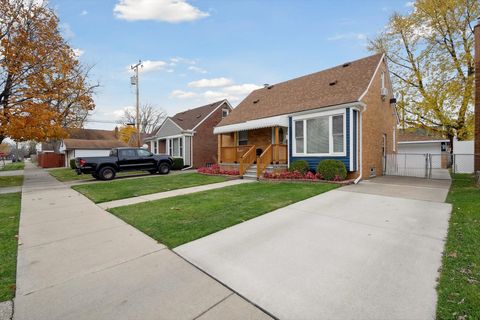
(330, 114)
(167, 145)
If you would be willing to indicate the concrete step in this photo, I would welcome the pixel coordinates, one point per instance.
(250, 176)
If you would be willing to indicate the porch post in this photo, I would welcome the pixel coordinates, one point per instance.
(276, 155)
(219, 156)
(235, 143)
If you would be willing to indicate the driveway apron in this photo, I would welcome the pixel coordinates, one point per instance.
(76, 261)
(367, 251)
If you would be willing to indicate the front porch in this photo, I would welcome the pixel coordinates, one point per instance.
(254, 151)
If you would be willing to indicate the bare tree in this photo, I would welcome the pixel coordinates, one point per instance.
(150, 117)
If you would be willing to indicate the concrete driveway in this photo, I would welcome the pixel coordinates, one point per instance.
(367, 251)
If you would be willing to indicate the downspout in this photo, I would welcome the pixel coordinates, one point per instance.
(360, 158)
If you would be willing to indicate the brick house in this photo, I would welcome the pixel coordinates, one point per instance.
(189, 134)
(346, 113)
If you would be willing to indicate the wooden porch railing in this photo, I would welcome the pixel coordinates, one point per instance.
(247, 160)
(233, 154)
(274, 153)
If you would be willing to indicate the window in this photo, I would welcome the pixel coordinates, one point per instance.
(382, 79)
(127, 153)
(175, 147)
(337, 133)
(323, 135)
(242, 138)
(299, 136)
(394, 135)
(155, 147)
(317, 135)
(225, 112)
(143, 153)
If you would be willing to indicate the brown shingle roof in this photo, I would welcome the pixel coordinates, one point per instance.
(312, 91)
(91, 134)
(187, 120)
(93, 144)
(417, 135)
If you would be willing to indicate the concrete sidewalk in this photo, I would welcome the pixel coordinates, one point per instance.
(76, 261)
(169, 194)
(10, 173)
(10, 189)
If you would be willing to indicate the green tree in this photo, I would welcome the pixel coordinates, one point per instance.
(431, 60)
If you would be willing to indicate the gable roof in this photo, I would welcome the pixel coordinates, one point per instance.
(338, 85)
(187, 120)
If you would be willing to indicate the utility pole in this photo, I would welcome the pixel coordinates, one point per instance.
(135, 81)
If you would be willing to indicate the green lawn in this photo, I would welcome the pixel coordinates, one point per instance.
(11, 181)
(9, 217)
(13, 166)
(67, 174)
(459, 285)
(178, 220)
(121, 189)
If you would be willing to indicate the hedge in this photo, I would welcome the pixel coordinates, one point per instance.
(300, 166)
(332, 170)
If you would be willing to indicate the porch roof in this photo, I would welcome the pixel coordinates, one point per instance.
(281, 121)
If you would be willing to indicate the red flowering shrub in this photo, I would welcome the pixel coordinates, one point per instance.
(297, 175)
(215, 169)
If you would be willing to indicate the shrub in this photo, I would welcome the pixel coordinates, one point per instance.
(215, 169)
(177, 164)
(300, 166)
(72, 164)
(332, 170)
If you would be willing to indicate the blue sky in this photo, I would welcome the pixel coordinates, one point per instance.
(196, 52)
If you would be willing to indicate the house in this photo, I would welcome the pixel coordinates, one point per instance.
(346, 113)
(189, 134)
(89, 143)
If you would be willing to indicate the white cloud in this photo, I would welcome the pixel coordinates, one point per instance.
(210, 83)
(348, 36)
(183, 94)
(173, 11)
(66, 31)
(118, 113)
(410, 4)
(84, 13)
(150, 66)
(78, 52)
(183, 60)
(197, 69)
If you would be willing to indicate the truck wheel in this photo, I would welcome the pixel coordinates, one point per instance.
(106, 173)
(164, 168)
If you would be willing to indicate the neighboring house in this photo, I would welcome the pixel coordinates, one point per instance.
(189, 134)
(346, 113)
(89, 143)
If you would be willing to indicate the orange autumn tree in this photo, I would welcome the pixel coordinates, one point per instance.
(43, 87)
(126, 133)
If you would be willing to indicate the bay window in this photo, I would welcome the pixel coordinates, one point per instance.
(320, 135)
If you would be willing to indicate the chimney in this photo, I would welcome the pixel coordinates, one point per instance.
(477, 95)
(116, 132)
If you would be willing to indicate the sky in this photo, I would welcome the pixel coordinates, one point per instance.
(195, 52)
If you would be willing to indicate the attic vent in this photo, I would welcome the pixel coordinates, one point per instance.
(346, 64)
(333, 83)
(256, 101)
(179, 119)
(199, 116)
(270, 87)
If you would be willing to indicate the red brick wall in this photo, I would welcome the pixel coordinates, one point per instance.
(378, 119)
(477, 97)
(205, 142)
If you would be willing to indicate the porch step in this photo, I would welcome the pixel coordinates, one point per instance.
(249, 176)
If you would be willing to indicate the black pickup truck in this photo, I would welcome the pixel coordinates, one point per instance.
(123, 159)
